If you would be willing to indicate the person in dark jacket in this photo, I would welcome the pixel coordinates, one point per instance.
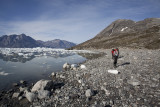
(115, 55)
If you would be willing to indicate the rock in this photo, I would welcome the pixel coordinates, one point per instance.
(105, 90)
(42, 85)
(21, 89)
(83, 67)
(80, 81)
(43, 94)
(66, 66)
(20, 98)
(133, 82)
(15, 95)
(23, 82)
(62, 76)
(67, 98)
(30, 96)
(15, 84)
(53, 74)
(74, 69)
(74, 66)
(89, 93)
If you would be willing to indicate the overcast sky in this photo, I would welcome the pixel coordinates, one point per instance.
(71, 20)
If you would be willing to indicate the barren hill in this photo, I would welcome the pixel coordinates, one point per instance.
(127, 33)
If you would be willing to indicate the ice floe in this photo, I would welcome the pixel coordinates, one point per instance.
(4, 73)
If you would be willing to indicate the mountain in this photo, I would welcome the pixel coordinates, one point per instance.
(57, 43)
(23, 41)
(127, 33)
(18, 41)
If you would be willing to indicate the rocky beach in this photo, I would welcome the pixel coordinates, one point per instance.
(137, 83)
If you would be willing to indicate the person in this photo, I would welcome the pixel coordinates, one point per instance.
(115, 55)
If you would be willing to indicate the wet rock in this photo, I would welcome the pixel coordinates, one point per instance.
(42, 85)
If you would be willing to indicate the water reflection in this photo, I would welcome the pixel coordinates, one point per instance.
(15, 58)
(34, 64)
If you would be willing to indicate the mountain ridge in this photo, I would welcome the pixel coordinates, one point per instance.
(24, 41)
(126, 33)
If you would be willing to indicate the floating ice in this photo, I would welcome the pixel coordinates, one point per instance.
(4, 73)
(17, 54)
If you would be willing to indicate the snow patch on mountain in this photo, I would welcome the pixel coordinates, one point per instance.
(124, 29)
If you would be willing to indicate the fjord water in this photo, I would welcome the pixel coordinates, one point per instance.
(12, 70)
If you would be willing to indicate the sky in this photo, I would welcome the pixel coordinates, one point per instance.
(72, 20)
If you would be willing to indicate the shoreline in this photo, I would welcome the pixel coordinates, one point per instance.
(137, 84)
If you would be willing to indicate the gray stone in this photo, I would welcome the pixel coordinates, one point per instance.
(21, 89)
(62, 76)
(42, 85)
(89, 93)
(53, 74)
(22, 82)
(43, 94)
(133, 82)
(20, 98)
(30, 96)
(105, 90)
(15, 84)
(15, 95)
(66, 66)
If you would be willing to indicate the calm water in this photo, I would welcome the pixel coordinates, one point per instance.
(12, 70)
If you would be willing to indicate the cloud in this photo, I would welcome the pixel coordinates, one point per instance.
(75, 20)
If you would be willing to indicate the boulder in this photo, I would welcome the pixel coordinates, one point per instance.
(43, 94)
(42, 85)
(30, 96)
(89, 93)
